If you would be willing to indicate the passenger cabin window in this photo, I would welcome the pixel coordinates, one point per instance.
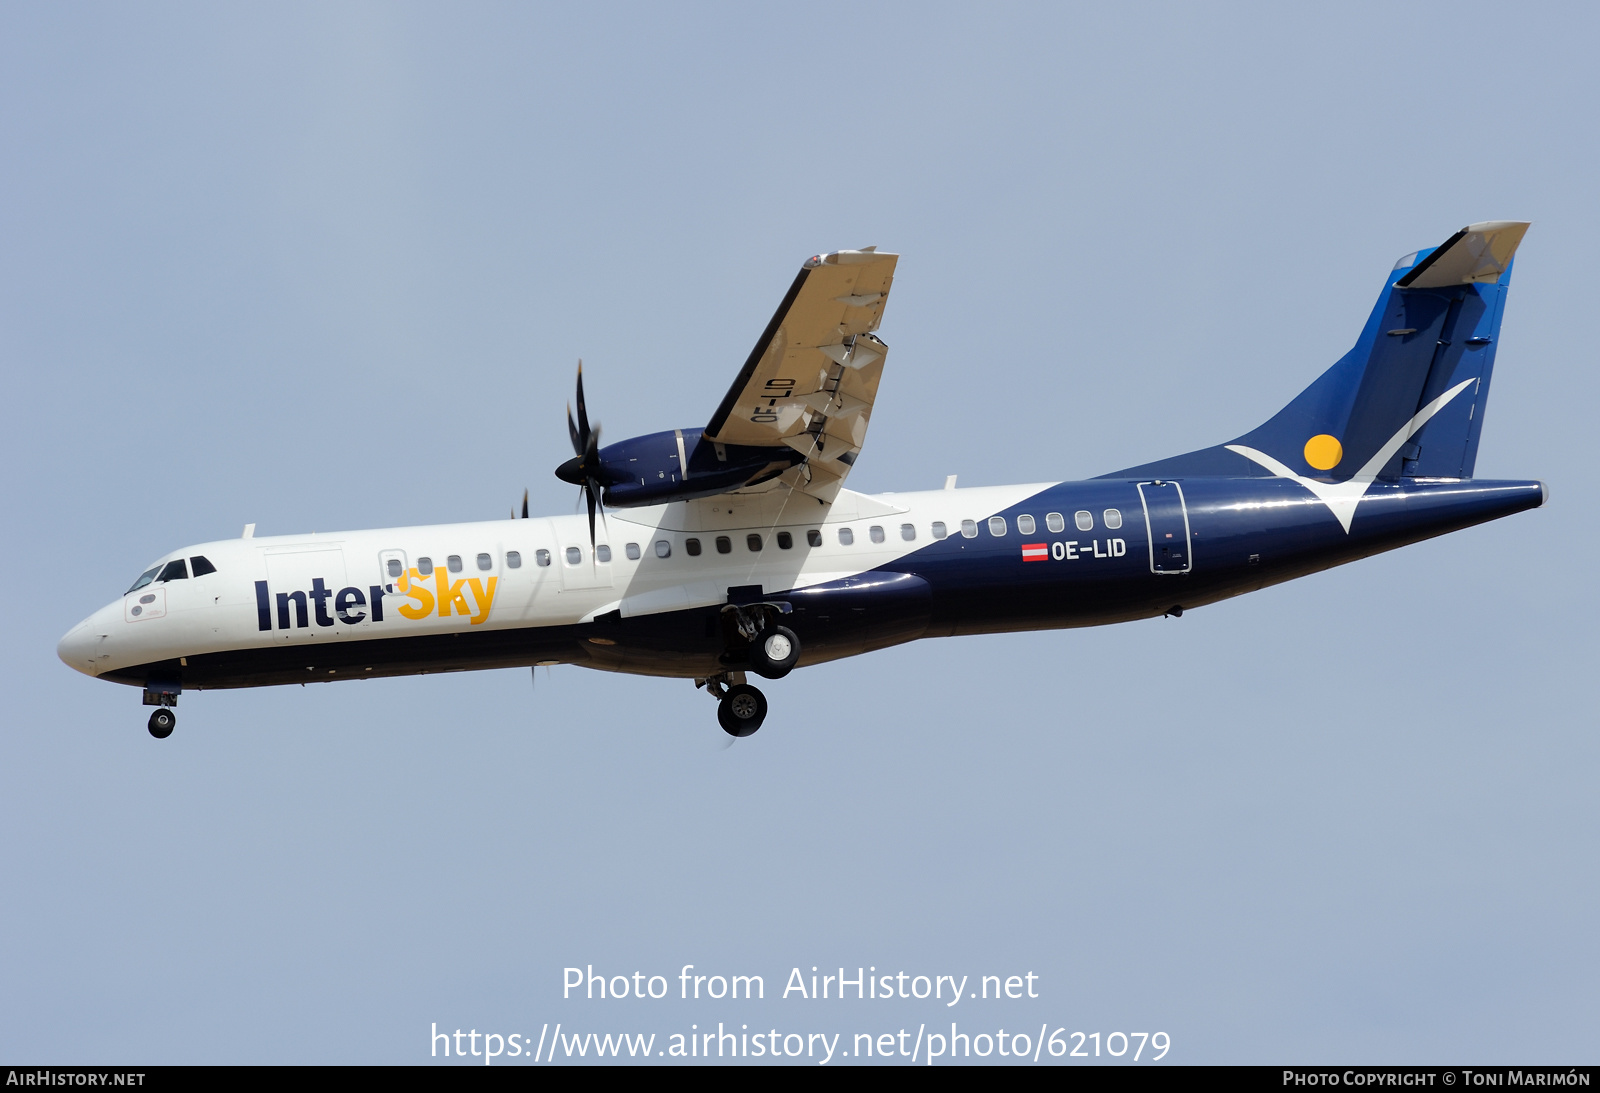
(785, 540)
(1113, 518)
(485, 562)
(393, 567)
(693, 547)
(724, 545)
(846, 536)
(814, 538)
(632, 551)
(144, 578)
(997, 526)
(663, 549)
(969, 529)
(1084, 520)
(1055, 522)
(875, 533)
(200, 567)
(908, 532)
(574, 555)
(425, 566)
(939, 530)
(1024, 524)
(454, 562)
(513, 559)
(753, 541)
(602, 552)
(541, 557)
(174, 571)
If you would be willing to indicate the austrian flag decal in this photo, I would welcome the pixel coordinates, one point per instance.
(1036, 552)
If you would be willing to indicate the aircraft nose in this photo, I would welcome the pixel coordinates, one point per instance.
(80, 648)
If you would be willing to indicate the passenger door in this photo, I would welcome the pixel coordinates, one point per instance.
(1166, 521)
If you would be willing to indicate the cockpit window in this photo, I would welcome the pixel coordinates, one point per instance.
(144, 578)
(174, 570)
(200, 566)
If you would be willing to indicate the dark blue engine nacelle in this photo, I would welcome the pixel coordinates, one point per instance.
(650, 470)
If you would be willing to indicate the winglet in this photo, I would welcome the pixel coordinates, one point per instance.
(1477, 254)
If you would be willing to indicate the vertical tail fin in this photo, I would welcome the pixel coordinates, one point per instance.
(1415, 383)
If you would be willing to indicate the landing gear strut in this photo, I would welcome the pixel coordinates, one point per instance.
(740, 707)
(162, 722)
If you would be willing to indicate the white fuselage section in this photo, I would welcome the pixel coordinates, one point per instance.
(505, 574)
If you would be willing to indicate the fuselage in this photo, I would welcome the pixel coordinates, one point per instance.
(648, 596)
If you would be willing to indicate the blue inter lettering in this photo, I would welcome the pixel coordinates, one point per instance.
(345, 604)
(320, 592)
(299, 599)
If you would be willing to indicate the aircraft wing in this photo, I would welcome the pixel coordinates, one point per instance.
(811, 379)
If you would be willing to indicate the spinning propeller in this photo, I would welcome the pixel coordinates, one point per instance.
(584, 468)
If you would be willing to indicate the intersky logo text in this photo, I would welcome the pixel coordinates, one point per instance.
(471, 598)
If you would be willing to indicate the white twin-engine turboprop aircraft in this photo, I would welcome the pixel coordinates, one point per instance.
(736, 548)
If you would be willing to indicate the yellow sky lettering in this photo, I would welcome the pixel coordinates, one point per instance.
(450, 595)
(485, 599)
(419, 592)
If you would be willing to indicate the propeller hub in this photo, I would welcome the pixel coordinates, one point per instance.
(573, 471)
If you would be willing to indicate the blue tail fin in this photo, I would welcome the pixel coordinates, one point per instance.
(1408, 400)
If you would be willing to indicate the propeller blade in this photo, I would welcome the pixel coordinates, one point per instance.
(589, 490)
(581, 470)
(583, 412)
(524, 504)
(572, 431)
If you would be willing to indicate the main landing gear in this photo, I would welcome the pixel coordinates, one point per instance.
(740, 707)
(774, 652)
(772, 649)
(757, 638)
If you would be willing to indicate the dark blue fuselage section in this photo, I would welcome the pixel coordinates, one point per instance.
(1243, 534)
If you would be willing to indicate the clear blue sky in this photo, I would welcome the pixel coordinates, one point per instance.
(330, 266)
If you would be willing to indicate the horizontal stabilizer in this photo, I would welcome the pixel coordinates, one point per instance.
(1408, 400)
(1477, 254)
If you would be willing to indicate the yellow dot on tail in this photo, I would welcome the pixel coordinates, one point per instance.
(1324, 452)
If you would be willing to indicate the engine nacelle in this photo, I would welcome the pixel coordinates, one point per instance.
(680, 464)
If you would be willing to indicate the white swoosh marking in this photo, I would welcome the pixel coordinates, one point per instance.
(1343, 497)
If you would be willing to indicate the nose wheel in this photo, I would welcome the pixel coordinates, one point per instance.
(163, 720)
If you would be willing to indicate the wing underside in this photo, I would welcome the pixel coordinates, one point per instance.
(811, 380)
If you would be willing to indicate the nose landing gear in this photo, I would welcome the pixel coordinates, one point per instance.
(162, 693)
(162, 722)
